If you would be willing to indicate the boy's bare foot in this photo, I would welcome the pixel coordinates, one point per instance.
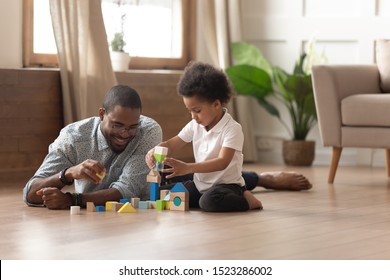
(253, 202)
(288, 181)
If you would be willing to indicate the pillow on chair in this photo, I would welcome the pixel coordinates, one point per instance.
(382, 53)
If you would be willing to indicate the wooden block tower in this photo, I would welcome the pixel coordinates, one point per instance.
(154, 178)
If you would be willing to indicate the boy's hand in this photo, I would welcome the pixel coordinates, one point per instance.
(178, 168)
(150, 160)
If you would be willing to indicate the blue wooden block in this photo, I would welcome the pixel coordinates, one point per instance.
(100, 209)
(124, 200)
(179, 187)
(154, 191)
(143, 205)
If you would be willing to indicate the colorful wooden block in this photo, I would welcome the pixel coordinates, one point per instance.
(153, 176)
(160, 153)
(75, 210)
(143, 205)
(101, 175)
(91, 207)
(164, 194)
(179, 187)
(160, 205)
(127, 208)
(109, 205)
(124, 200)
(179, 198)
(135, 201)
(179, 201)
(152, 204)
(154, 191)
(116, 207)
(100, 209)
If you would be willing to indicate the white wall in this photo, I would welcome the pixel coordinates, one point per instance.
(11, 33)
(344, 29)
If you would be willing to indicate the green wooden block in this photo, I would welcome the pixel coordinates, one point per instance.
(160, 205)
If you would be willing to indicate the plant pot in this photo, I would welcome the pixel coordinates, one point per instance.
(120, 61)
(298, 152)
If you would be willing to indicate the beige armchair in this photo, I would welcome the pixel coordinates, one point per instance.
(352, 109)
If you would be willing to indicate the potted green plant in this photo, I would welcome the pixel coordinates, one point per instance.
(119, 58)
(118, 43)
(253, 75)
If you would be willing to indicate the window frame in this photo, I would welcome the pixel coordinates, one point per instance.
(31, 59)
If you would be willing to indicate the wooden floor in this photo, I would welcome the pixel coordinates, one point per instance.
(347, 220)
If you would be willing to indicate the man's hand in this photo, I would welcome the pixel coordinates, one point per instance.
(89, 169)
(53, 198)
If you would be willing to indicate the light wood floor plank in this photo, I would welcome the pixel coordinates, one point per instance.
(347, 220)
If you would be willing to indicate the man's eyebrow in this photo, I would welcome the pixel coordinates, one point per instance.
(120, 123)
(136, 124)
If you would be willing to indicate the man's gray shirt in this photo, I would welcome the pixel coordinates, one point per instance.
(84, 140)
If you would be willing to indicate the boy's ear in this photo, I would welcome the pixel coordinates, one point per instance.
(217, 103)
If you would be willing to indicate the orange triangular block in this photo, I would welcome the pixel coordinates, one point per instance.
(127, 208)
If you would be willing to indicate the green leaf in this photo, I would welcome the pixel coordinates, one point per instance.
(298, 68)
(244, 53)
(250, 80)
(269, 107)
(299, 86)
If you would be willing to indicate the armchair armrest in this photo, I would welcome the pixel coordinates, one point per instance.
(331, 84)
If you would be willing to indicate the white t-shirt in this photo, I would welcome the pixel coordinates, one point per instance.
(207, 145)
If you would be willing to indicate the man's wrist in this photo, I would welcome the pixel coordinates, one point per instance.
(76, 199)
(63, 178)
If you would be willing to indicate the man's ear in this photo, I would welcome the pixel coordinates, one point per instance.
(102, 111)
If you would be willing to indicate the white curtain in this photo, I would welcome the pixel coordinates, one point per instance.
(85, 64)
(221, 25)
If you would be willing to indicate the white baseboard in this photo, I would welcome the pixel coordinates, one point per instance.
(269, 150)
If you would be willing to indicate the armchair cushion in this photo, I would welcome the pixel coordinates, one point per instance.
(383, 61)
(369, 110)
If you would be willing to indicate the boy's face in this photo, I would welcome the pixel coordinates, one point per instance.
(119, 126)
(203, 112)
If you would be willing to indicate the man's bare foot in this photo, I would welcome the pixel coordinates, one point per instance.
(253, 202)
(287, 181)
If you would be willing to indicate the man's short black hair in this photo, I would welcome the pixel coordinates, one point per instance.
(122, 95)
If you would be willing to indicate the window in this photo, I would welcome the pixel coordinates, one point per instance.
(165, 41)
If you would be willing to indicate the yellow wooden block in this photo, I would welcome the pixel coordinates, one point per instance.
(127, 208)
(109, 205)
(101, 175)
